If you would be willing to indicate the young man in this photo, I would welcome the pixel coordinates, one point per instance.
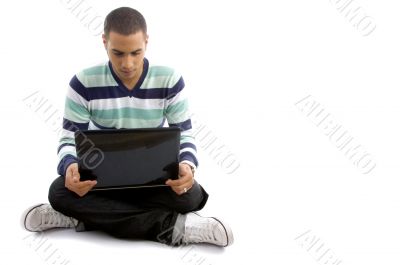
(127, 92)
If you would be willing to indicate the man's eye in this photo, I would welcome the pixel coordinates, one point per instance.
(118, 54)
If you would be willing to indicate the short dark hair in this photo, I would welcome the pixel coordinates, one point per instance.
(125, 21)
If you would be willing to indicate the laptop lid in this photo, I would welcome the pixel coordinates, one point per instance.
(128, 158)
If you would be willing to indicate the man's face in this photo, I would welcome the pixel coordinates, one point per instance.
(126, 53)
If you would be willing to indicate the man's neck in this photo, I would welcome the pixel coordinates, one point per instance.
(130, 84)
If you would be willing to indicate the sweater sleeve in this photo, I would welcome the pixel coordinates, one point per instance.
(76, 117)
(178, 114)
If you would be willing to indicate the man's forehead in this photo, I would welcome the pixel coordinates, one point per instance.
(126, 43)
(117, 36)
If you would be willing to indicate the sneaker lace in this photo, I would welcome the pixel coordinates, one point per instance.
(53, 218)
(203, 232)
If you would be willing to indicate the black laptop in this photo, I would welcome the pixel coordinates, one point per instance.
(128, 158)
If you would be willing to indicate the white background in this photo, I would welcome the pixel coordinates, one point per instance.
(246, 64)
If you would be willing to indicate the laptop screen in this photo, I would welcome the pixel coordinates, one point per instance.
(128, 158)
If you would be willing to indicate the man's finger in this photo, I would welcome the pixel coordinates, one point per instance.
(85, 184)
(176, 182)
(89, 183)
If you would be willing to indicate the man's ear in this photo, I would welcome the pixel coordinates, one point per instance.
(104, 41)
(146, 41)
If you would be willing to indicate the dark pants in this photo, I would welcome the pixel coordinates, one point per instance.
(145, 213)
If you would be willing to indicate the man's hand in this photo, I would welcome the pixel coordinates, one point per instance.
(73, 183)
(185, 181)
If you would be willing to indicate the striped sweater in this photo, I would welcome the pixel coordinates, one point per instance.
(97, 99)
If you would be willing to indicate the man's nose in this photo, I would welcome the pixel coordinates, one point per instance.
(127, 62)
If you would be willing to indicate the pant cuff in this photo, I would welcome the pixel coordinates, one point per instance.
(179, 229)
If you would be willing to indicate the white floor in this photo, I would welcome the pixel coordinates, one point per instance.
(250, 68)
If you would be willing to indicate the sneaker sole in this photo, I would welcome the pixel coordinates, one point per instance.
(25, 215)
(228, 230)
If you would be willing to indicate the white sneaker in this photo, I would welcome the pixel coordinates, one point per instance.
(199, 229)
(42, 217)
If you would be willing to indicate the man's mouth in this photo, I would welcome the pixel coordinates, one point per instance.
(127, 72)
